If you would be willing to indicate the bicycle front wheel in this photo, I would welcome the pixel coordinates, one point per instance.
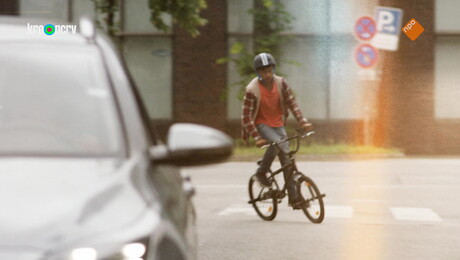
(262, 199)
(313, 205)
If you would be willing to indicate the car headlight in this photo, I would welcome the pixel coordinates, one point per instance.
(86, 253)
(134, 251)
(131, 251)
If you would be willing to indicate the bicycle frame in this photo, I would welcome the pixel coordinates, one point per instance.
(272, 178)
(291, 167)
(290, 175)
(309, 199)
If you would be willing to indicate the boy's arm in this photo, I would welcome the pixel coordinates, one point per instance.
(291, 103)
(247, 119)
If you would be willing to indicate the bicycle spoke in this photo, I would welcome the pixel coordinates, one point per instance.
(263, 200)
(314, 206)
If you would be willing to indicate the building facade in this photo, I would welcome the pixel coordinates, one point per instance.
(407, 100)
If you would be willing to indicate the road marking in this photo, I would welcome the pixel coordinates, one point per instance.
(334, 211)
(340, 211)
(407, 186)
(416, 214)
(236, 209)
(353, 201)
(221, 186)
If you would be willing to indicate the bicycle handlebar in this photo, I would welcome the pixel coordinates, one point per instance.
(300, 135)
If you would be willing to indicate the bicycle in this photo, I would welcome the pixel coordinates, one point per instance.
(265, 199)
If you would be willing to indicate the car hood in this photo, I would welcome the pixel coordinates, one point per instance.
(56, 201)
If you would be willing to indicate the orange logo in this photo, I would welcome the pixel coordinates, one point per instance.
(413, 29)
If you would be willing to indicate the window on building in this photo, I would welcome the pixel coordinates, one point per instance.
(447, 55)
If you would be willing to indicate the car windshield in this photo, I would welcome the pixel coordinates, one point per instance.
(55, 100)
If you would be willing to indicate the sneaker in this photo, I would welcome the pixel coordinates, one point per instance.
(262, 178)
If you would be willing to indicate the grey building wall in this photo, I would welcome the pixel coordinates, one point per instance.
(9, 7)
(417, 113)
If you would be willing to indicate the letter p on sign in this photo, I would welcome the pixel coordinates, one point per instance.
(413, 29)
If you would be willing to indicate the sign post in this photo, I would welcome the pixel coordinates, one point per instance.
(367, 56)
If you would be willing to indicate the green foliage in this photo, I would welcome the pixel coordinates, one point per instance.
(185, 12)
(244, 65)
(108, 10)
(270, 20)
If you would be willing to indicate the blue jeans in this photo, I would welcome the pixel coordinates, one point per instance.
(274, 134)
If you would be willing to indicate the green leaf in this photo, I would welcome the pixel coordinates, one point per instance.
(237, 48)
(222, 60)
(268, 4)
(186, 13)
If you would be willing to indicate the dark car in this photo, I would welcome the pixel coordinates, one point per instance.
(82, 174)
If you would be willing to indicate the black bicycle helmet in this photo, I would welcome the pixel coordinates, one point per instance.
(263, 59)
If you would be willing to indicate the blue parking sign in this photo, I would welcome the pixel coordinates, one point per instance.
(388, 20)
(388, 25)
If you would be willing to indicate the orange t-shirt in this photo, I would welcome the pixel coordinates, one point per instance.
(270, 112)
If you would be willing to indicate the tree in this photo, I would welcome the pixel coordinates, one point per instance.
(186, 13)
(270, 20)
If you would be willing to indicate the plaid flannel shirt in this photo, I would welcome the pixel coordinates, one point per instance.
(251, 107)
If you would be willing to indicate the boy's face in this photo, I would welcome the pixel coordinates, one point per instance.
(266, 73)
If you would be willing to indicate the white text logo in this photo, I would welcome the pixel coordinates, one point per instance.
(51, 29)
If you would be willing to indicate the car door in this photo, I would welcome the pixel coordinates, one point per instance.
(169, 183)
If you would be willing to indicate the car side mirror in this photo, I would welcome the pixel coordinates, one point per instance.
(191, 144)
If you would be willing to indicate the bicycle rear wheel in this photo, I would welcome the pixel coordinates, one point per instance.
(313, 205)
(262, 199)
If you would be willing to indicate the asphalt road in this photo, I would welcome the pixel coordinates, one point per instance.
(375, 209)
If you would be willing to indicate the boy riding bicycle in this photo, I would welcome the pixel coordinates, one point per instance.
(264, 113)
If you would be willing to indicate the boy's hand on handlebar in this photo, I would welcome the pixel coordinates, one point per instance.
(261, 142)
(306, 127)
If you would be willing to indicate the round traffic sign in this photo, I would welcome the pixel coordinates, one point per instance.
(366, 55)
(365, 28)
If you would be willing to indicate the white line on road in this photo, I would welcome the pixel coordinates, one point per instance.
(407, 186)
(417, 214)
(334, 211)
(221, 186)
(237, 209)
(340, 211)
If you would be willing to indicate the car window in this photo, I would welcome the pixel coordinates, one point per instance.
(55, 100)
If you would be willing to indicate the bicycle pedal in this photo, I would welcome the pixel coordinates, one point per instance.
(280, 195)
(299, 205)
(296, 207)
